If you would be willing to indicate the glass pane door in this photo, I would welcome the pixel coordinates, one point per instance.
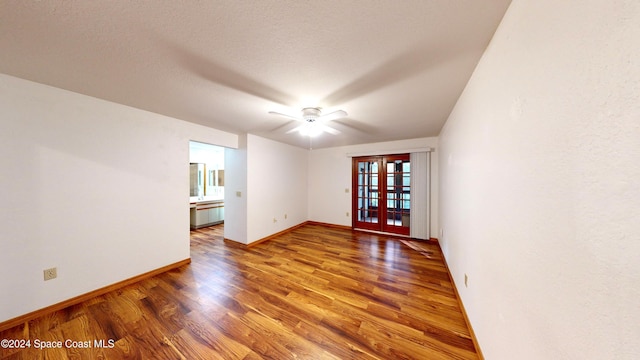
(367, 193)
(398, 201)
(381, 193)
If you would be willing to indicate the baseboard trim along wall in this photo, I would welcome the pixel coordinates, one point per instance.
(260, 241)
(90, 295)
(464, 312)
(343, 227)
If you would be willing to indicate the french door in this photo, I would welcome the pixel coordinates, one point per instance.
(381, 193)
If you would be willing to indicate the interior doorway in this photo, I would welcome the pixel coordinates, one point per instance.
(382, 193)
(206, 189)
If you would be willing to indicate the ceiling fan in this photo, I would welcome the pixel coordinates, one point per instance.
(314, 121)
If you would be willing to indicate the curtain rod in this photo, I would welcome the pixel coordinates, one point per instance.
(390, 152)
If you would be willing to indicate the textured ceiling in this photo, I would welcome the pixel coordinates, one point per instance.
(397, 67)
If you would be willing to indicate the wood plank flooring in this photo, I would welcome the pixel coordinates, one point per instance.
(313, 293)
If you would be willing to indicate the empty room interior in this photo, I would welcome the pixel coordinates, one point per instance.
(421, 179)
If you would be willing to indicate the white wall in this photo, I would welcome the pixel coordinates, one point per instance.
(330, 174)
(235, 205)
(540, 166)
(96, 189)
(276, 185)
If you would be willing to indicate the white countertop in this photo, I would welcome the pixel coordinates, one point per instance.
(195, 199)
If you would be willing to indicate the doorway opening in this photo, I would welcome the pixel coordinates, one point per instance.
(382, 193)
(206, 189)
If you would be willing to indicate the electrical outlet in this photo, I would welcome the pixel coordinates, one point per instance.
(347, 214)
(285, 216)
(275, 220)
(50, 274)
(466, 280)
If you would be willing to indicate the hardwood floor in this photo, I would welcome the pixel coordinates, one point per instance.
(313, 293)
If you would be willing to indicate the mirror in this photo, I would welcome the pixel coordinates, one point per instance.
(196, 176)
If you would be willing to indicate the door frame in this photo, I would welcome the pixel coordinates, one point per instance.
(381, 210)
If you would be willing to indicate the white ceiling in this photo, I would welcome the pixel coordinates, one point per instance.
(397, 67)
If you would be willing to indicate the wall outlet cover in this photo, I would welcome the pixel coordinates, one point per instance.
(50, 274)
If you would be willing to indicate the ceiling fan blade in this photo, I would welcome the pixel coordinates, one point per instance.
(285, 115)
(330, 130)
(297, 128)
(333, 115)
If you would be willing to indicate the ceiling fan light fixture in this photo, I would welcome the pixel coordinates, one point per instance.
(313, 121)
(310, 114)
(310, 130)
